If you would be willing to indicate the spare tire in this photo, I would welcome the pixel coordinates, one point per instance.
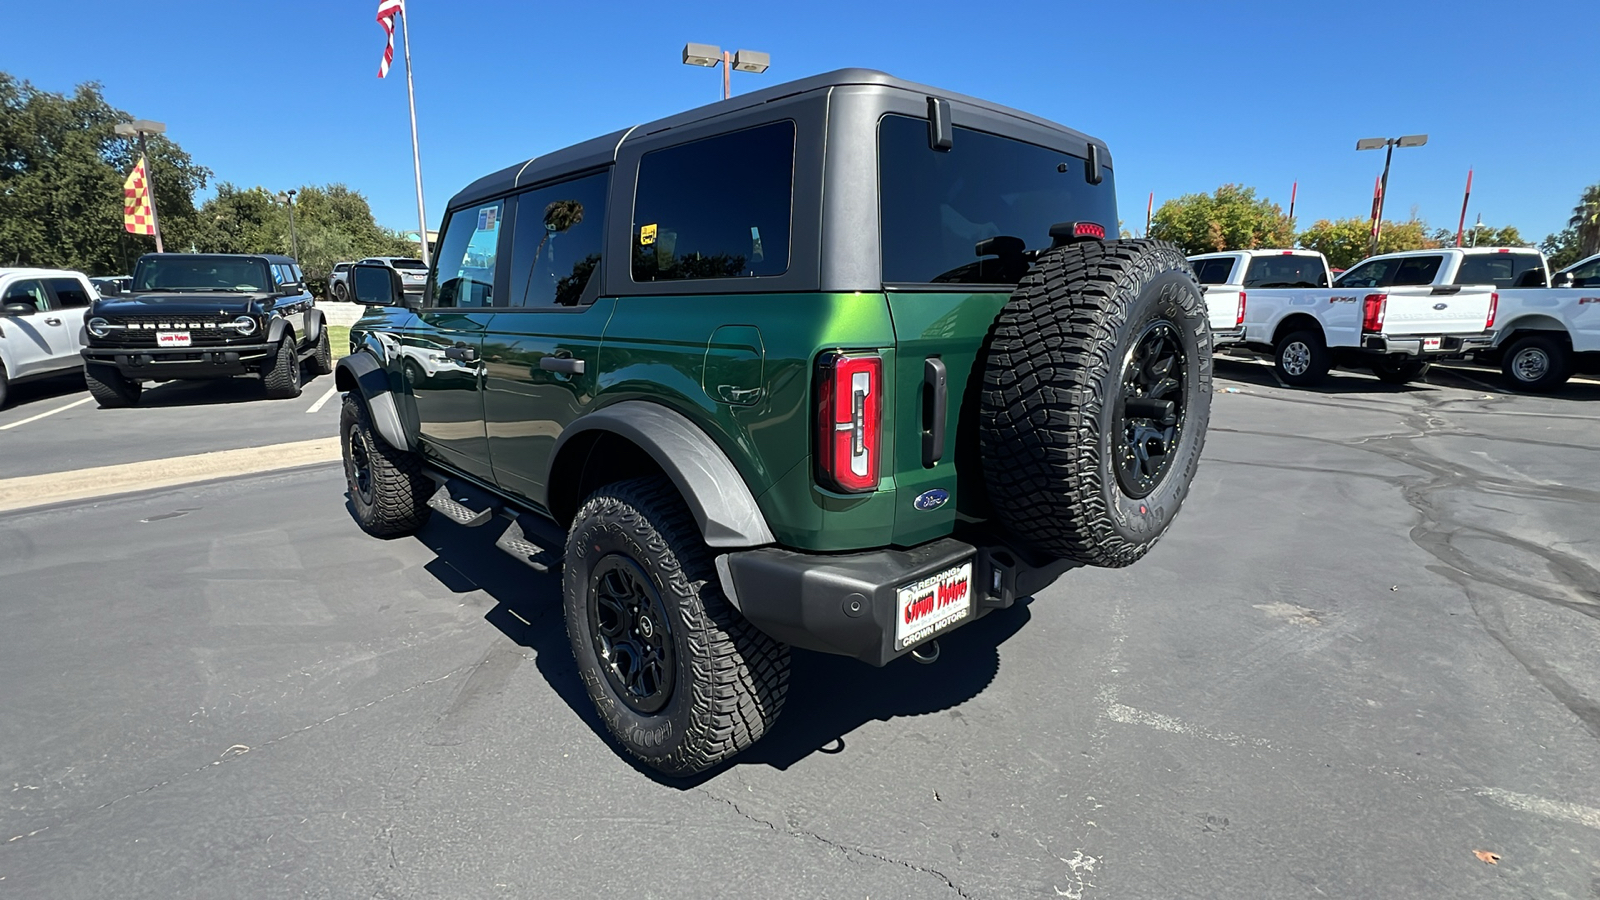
(1096, 394)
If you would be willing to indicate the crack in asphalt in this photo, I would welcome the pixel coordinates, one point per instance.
(835, 845)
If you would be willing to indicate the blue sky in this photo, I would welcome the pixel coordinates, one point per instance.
(1189, 95)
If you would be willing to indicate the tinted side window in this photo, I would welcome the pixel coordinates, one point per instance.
(557, 241)
(1286, 272)
(29, 292)
(69, 293)
(1369, 274)
(1587, 275)
(464, 269)
(1415, 270)
(1212, 271)
(938, 206)
(716, 208)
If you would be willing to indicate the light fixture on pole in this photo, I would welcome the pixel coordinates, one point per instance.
(138, 128)
(294, 242)
(1409, 140)
(710, 56)
(1477, 227)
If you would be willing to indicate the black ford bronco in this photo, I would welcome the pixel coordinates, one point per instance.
(196, 316)
(842, 364)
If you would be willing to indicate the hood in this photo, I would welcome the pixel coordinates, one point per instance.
(152, 303)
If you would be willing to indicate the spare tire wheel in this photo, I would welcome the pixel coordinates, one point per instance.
(1096, 394)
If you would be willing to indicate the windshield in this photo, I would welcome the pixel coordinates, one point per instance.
(1286, 272)
(201, 273)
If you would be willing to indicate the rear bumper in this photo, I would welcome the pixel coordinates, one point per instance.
(1231, 336)
(182, 362)
(1412, 344)
(846, 603)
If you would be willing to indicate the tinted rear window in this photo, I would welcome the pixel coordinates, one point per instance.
(1212, 271)
(937, 206)
(1501, 270)
(409, 264)
(1286, 272)
(1415, 270)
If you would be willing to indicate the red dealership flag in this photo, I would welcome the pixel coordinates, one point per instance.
(387, 10)
(136, 215)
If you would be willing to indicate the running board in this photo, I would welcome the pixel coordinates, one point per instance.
(444, 501)
(514, 542)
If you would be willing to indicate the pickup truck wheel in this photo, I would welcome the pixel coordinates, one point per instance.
(321, 361)
(1536, 363)
(1302, 359)
(109, 388)
(1096, 395)
(679, 677)
(388, 489)
(1402, 372)
(281, 377)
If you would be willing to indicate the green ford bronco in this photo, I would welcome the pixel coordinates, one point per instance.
(842, 364)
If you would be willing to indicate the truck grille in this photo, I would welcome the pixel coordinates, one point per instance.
(140, 331)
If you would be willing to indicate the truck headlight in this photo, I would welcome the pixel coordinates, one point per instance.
(244, 325)
(98, 327)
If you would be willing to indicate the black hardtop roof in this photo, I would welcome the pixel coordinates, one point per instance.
(271, 258)
(602, 151)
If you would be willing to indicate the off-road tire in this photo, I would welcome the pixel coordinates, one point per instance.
(1052, 430)
(109, 388)
(395, 501)
(5, 386)
(728, 679)
(1301, 358)
(321, 361)
(1536, 364)
(281, 376)
(1403, 372)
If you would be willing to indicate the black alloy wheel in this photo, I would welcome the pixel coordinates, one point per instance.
(1150, 409)
(361, 463)
(632, 634)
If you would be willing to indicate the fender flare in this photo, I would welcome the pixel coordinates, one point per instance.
(314, 326)
(713, 489)
(361, 374)
(275, 329)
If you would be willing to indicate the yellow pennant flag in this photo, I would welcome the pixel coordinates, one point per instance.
(136, 215)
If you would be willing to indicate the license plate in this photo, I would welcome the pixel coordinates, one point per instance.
(932, 605)
(172, 339)
(1431, 343)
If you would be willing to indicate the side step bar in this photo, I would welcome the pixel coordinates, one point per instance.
(470, 506)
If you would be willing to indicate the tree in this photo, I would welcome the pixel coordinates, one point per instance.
(1561, 248)
(1586, 219)
(333, 224)
(1344, 241)
(1231, 219)
(61, 171)
(1508, 236)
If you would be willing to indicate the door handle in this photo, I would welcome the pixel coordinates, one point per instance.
(461, 353)
(935, 409)
(52, 321)
(561, 364)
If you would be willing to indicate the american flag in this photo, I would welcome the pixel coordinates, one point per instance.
(136, 215)
(387, 9)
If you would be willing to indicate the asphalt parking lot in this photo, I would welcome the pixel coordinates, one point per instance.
(1366, 652)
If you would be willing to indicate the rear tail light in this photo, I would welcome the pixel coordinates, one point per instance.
(1494, 308)
(849, 421)
(1372, 311)
(1239, 320)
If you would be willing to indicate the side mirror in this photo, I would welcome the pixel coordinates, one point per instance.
(1561, 279)
(375, 285)
(19, 309)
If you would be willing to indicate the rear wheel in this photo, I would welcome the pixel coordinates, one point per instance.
(1400, 372)
(388, 489)
(281, 377)
(321, 361)
(1096, 395)
(1536, 363)
(680, 678)
(5, 386)
(1301, 358)
(340, 292)
(109, 388)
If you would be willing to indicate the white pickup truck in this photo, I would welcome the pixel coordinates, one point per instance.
(1389, 314)
(41, 323)
(1227, 278)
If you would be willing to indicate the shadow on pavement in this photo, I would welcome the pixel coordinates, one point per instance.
(1339, 381)
(219, 391)
(829, 696)
(19, 395)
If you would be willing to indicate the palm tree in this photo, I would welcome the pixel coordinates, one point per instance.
(1586, 218)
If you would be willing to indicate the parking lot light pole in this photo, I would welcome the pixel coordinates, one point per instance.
(710, 56)
(139, 128)
(1409, 140)
(294, 241)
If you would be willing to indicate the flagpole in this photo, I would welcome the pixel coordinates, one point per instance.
(416, 155)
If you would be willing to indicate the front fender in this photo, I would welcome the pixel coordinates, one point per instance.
(360, 374)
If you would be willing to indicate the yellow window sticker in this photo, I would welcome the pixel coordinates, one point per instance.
(647, 235)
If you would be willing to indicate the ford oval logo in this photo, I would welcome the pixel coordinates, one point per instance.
(1440, 305)
(931, 499)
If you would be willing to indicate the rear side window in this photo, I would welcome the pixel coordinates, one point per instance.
(556, 246)
(1286, 272)
(1586, 275)
(716, 208)
(1212, 271)
(467, 254)
(69, 293)
(968, 215)
(1415, 270)
(1501, 270)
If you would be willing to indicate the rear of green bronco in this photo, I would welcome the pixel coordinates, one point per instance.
(842, 364)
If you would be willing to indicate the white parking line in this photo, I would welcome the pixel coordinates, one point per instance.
(45, 414)
(321, 401)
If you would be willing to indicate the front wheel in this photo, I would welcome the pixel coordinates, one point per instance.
(1536, 363)
(387, 486)
(1301, 358)
(1400, 371)
(681, 679)
(281, 377)
(109, 388)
